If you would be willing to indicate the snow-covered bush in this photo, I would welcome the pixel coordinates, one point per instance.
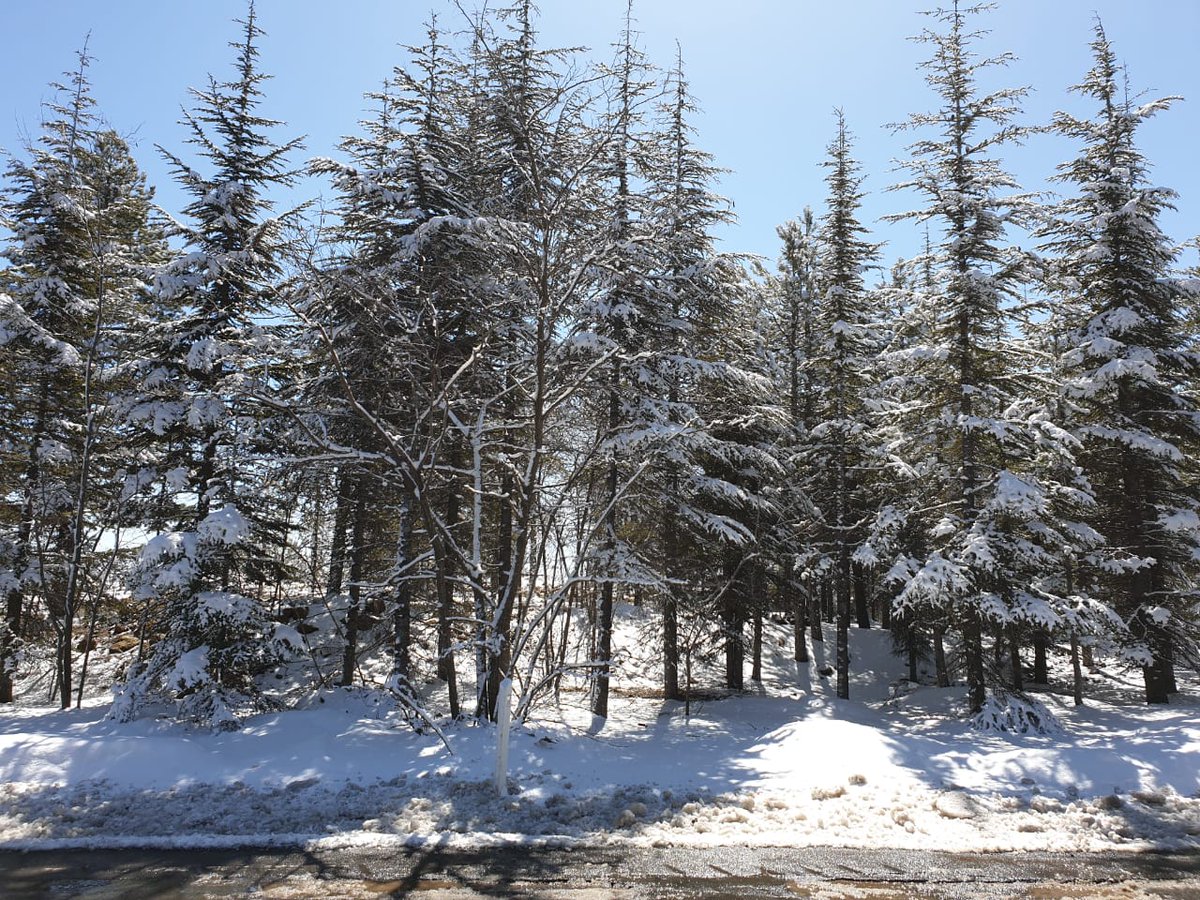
(1018, 715)
(217, 642)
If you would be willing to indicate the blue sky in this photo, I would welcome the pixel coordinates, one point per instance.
(767, 74)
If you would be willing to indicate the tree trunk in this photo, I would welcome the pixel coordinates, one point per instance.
(973, 654)
(671, 646)
(861, 609)
(1076, 671)
(670, 601)
(602, 653)
(356, 553)
(814, 603)
(1155, 675)
(343, 509)
(602, 656)
(842, 661)
(793, 601)
(731, 623)
(402, 610)
(447, 565)
(1169, 664)
(65, 660)
(1041, 669)
(15, 599)
(1014, 649)
(508, 586)
(756, 642)
(939, 657)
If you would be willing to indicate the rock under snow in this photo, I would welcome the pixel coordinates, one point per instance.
(955, 805)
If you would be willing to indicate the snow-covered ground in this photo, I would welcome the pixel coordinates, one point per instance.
(785, 764)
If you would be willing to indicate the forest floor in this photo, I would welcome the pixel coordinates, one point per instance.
(782, 764)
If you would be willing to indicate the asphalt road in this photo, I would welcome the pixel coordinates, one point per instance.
(593, 873)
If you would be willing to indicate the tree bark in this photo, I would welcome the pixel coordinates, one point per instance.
(670, 613)
(1041, 669)
(402, 610)
(446, 568)
(756, 644)
(972, 632)
(731, 623)
(842, 660)
(1014, 650)
(814, 603)
(861, 609)
(343, 509)
(15, 601)
(793, 601)
(1076, 671)
(939, 657)
(497, 642)
(356, 553)
(602, 657)
(1155, 675)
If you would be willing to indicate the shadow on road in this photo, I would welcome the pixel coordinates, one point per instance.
(521, 871)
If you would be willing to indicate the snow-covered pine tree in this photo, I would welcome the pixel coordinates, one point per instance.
(41, 332)
(79, 211)
(897, 533)
(790, 310)
(124, 244)
(843, 364)
(360, 391)
(202, 368)
(1129, 366)
(715, 465)
(629, 320)
(972, 420)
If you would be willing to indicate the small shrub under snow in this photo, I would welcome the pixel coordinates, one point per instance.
(1016, 715)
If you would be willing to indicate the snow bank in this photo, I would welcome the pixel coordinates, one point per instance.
(790, 765)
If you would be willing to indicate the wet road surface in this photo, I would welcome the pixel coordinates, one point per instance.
(732, 872)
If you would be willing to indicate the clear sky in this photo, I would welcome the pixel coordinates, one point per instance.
(767, 74)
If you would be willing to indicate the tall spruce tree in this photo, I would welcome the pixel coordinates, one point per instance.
(974, 420)
(80, 212)
(714, 467)
(1129, 366)
(629, 319)
(203, 367)
(842, 365)
(792, 337)
(41, 332)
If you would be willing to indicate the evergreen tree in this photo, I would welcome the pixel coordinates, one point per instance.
(716, 465)
(974, 421)
(399, 331)
(41, 332)
(629, 321)
(1129, 364)
(843, 365)
(79, 209)
(203, 367)
(792, 336)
